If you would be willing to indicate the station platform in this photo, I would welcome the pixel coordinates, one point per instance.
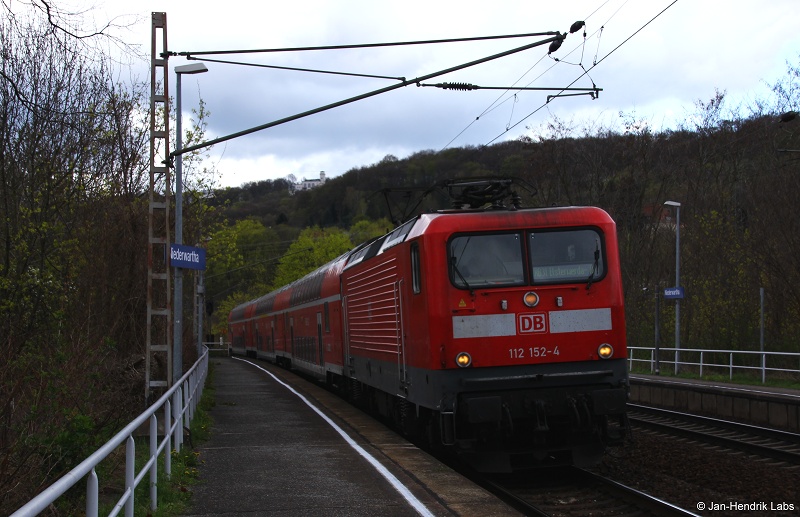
(774, 407)
(755, 390)
(281, 445)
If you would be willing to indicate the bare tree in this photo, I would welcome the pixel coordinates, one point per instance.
(72, 173)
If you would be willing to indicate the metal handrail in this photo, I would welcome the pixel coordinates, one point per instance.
(179, 404)
(216, 344)
(703, 364)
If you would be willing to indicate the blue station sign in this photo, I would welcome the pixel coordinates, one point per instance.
(187, 257)
(673, 293)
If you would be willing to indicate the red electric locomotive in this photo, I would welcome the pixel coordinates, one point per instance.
(498, 333)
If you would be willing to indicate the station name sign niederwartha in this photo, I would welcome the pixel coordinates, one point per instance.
(673, 293)
(187, 257)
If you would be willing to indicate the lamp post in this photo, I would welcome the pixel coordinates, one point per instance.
(677, 207)
(177, 329)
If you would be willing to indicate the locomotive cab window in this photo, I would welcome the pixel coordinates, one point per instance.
(566, 256)
(486, 260)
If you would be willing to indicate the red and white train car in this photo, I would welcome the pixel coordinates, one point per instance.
(497, 333)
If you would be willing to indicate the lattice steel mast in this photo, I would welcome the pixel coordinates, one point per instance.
(159, 299)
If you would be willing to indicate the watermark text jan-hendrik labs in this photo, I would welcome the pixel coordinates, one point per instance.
(756, 506)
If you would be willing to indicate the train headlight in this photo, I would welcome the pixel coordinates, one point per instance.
(531, 299)
(605, 351)
(463, 359)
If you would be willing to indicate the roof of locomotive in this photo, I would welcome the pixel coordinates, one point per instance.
(449, 220)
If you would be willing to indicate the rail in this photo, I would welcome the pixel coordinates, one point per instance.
(706, 359)
(179, 404)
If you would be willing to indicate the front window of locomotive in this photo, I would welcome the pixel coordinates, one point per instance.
(483, 260)
(566, 256)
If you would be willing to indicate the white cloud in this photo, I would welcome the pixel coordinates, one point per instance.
(262, 166)
(689, 51)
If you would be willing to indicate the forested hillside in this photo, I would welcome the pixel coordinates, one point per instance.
(736, 174)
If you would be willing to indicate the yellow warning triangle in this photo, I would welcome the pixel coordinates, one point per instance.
(462, 303)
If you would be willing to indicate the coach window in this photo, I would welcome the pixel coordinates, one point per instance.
(327, 313)
(416, 284)
(486, 260)
(566, 256)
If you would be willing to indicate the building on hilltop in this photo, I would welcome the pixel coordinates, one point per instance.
(309, 184)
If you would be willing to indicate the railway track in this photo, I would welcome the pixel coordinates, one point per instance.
(782, 446)
(572, 491)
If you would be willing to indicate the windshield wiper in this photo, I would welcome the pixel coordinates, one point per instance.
(595, 267)
(455, 268)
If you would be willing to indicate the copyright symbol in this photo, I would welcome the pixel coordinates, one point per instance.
(701, 506)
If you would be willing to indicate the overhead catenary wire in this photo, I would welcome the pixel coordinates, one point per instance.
(189, 54)
(467, 87)
(296, 69)
(557, 37)
(585, 72)
(497, 102)
(554, 36)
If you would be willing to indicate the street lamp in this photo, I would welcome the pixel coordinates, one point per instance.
(177, 349)
(677, 207)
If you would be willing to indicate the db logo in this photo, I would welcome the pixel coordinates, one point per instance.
(530, 323)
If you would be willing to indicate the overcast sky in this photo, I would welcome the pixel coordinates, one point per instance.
(675, 59)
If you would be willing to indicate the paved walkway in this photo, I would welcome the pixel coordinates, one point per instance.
(271, 454)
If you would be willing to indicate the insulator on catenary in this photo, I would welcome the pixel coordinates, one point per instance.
(457, 86)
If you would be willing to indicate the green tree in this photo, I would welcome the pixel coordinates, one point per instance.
(313, 248)
(241, 262)
(366, 229)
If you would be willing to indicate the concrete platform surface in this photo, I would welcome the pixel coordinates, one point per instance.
(271, 454)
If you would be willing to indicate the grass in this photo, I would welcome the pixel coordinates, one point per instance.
(174, 493)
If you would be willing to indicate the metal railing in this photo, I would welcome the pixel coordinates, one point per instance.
(705, 359)
(179, 404)
(217, 348)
